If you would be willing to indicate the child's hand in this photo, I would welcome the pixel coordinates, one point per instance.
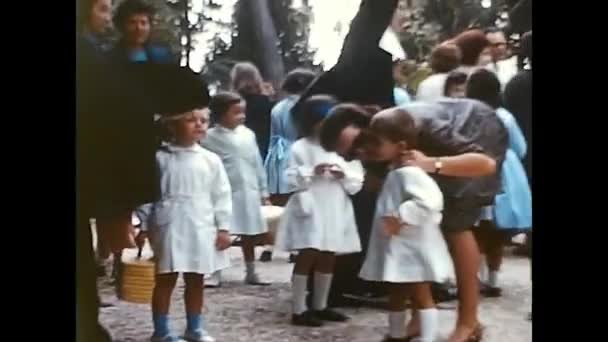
(320, 169)
(223, 240)
(266, 202)
(336, 171)
(391, 226)
(140, 239)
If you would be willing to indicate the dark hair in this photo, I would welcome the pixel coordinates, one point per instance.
(340, 117)
(471, 44)
(221, 103)
(128, 8)
(454, 78)
(445, 58)
(396, 125)
(298, 80)
(313, 110)
(526, 45)
(483, 85)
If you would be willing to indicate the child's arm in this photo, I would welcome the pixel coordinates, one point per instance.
(299, 174)
(261, 173)
(221, 198)
(144, 214)
(425, 199)
(353, 176)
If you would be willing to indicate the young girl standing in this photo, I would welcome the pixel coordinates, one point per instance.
(319, 219)
(406, 248)
(237, 146)
(188, 225)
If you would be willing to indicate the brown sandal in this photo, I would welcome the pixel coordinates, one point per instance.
(475, 336)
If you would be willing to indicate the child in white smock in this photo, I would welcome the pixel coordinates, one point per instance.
(237, 147)
(188, 226)
(406, 250)
(319, 220)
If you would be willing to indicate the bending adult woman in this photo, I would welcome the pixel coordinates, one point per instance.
(465, 143)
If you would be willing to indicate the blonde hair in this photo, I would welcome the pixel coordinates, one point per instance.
(246, 78)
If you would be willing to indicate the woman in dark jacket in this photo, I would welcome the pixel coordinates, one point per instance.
(247, 81)
(115, 157)
(133, 19)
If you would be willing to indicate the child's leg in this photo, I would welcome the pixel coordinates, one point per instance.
(304, 263)
(422, 298)
(193, 297)
(161, 299)
(324, 269)
(494, 255)
(397, 295)
(248, 246)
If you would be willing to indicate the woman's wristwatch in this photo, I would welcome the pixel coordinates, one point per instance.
(438, 165)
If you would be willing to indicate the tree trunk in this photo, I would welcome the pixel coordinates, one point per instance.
(265, 46)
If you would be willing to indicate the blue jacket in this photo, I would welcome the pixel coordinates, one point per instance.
(153, 53)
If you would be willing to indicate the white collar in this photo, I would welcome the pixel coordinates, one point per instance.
(176, 148)
(391, 44)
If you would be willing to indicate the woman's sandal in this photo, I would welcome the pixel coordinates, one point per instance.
(475, 336)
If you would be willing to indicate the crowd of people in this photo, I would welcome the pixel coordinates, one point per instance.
(385, 194)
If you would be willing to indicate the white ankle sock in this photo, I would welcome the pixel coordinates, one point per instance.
(493, 279)
(298, 289)
(396, 324)
(429, 325)
(483, 269)
(321, 293)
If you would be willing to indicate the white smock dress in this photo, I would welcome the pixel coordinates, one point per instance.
(240, 154)
(195, 203)
(419, 252)
(319, 215)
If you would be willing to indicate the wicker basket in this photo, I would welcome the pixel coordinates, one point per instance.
(137, 281)
(272, 215)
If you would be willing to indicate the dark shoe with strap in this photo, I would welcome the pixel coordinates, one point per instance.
(306, 319)
(266, 256)
(331, 315)
(490, 292)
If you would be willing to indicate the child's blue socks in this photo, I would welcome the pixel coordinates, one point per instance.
(161, 324)
(194, 322)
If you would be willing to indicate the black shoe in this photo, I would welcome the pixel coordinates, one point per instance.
(105, 305)
(292, 258)
(530, 317)
(331, 315)
(392, 339)
(306, 319)
(491, 292)
(266, 256)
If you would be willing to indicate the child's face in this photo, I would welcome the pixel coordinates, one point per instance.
(235, 116)
(457, 90)
(387, 150)
(191, 128)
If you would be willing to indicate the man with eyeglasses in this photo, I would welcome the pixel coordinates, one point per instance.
(504, 65)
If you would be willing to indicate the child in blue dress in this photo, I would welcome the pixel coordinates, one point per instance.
(512, 211)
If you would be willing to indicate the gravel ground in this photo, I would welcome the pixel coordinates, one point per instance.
(239, 313)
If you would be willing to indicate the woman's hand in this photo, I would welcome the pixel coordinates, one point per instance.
(222, 241)
(117, 232)
(140, 239)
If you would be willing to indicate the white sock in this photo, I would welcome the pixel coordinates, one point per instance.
(493, 279)
(250, 268)
(298, 289)
(269, 248)
(321, 290)
(396, 324)
(483, 269)
(429, 324)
